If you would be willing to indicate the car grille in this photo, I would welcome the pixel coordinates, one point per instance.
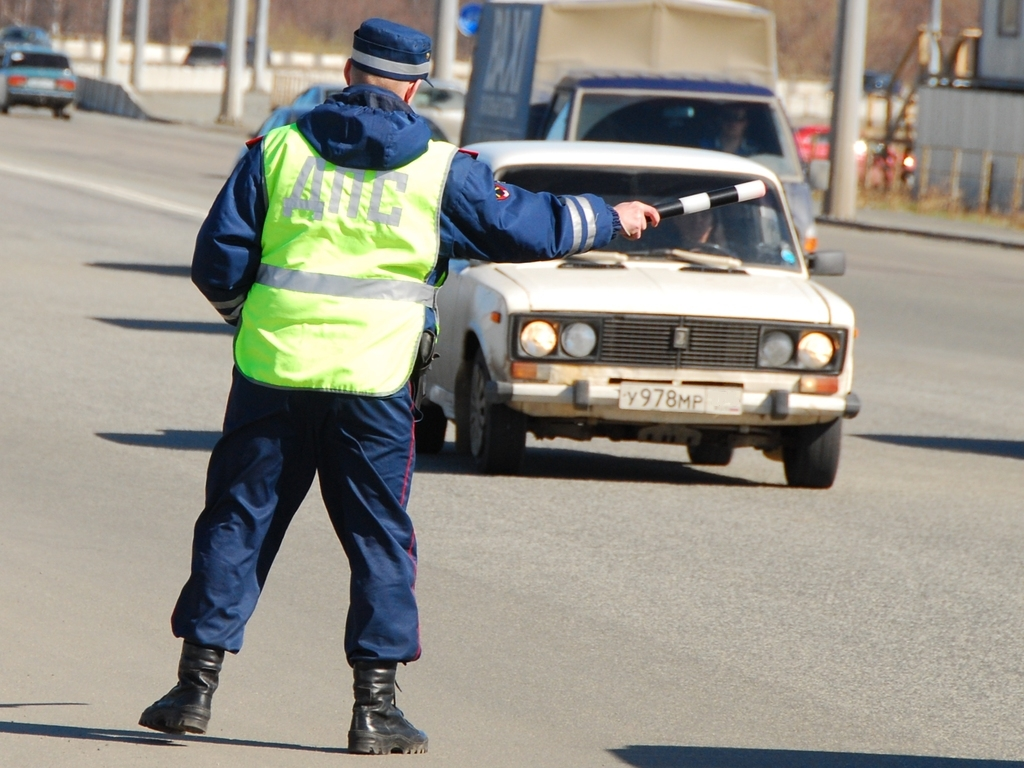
(647, 341)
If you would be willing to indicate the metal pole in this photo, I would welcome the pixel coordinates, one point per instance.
(847, 86)
(445, 39)
(115, 11)
(259, 65)
(141, 38)
(934, 33)
(232, 102)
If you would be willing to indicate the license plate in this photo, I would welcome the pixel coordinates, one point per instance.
(684, 398)
(40, 83)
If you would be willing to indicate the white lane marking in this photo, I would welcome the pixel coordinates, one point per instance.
(119, 193)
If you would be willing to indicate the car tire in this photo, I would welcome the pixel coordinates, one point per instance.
(497, 434)
(430, 429)
(462, 382)
(711, 453)
(810, 455)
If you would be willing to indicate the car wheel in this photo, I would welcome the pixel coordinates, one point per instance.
(431, 428)
(711, 453)
(4, 109)
(497, 434)
(811, 454)
(463, 380)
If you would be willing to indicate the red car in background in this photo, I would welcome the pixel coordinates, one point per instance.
(812, 144)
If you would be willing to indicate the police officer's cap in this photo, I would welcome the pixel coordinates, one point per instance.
(391, 50)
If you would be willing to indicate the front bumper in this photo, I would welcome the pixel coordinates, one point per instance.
(583, 399)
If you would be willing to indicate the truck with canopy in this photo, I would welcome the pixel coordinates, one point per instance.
(696, 73)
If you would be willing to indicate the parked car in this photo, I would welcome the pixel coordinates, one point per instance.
(202, 53)
(443, 104)
(313, 96)
(20, 35)
(877, 165)
(36, 77)
(706, 332)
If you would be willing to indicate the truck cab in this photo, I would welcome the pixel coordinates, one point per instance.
(739, 118)
(636, 71)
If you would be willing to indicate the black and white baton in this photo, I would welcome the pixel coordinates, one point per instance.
(738, 193)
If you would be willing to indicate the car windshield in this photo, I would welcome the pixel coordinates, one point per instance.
(748, 128)
(756, 232)
(40, 60)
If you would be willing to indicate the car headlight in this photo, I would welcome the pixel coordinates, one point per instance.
(538, 338)
(815, 351)
(579, 339)
(776, 349)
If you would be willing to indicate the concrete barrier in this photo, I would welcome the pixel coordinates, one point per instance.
(96, 95)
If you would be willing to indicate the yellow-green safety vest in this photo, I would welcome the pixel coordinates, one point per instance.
(340, 297)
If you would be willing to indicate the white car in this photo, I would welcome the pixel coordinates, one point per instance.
(706, 332)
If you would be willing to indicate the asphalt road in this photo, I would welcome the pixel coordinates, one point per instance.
(612, 607)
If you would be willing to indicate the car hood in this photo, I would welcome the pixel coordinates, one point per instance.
(669, 290)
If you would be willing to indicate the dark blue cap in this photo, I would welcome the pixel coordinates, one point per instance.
(391, 50)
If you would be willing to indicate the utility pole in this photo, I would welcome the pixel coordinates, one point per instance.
(115, 12)
(259, 62)
(935, 34)
(445, 39)
(141, 38)
(232, 102)
(847, 87)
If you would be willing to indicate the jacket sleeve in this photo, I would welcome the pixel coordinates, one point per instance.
(228, 247)
(502, 222)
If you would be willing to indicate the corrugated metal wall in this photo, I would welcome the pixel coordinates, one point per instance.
(985, 130)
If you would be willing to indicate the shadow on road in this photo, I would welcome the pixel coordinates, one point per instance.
(44, 704)
(175, 326)
(175, 439)
(170, 270)
(144, 739)
(642, 756)
(567, 464)
(1010, 449)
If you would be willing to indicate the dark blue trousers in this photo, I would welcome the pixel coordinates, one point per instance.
(274, 442)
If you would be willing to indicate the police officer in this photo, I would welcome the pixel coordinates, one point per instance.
(325, 247)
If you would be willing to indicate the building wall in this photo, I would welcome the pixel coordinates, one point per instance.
(1000, 53)
(979, 127)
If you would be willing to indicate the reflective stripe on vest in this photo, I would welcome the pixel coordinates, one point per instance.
(340, 295)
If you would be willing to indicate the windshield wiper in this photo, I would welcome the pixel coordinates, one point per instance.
(596, 259)
(722, 262)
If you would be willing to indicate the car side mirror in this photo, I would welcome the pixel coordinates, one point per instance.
(818, 173)
(827, 263)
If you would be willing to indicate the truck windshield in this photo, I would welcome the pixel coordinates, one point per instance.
(757, 232)
(749, 128)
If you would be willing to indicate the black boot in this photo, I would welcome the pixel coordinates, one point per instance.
(378, 726)
(186, 707)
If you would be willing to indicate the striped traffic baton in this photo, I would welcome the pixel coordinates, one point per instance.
(705, 201)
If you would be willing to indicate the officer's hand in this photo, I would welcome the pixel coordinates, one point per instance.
(634, 216)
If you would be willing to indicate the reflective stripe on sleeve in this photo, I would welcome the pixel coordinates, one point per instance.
(229, 304)
(348, 287)
(588, 213)
(577, 223)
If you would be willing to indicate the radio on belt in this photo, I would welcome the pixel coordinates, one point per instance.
(738, 193)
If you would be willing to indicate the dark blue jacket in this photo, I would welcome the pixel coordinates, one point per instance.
(366, 127)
